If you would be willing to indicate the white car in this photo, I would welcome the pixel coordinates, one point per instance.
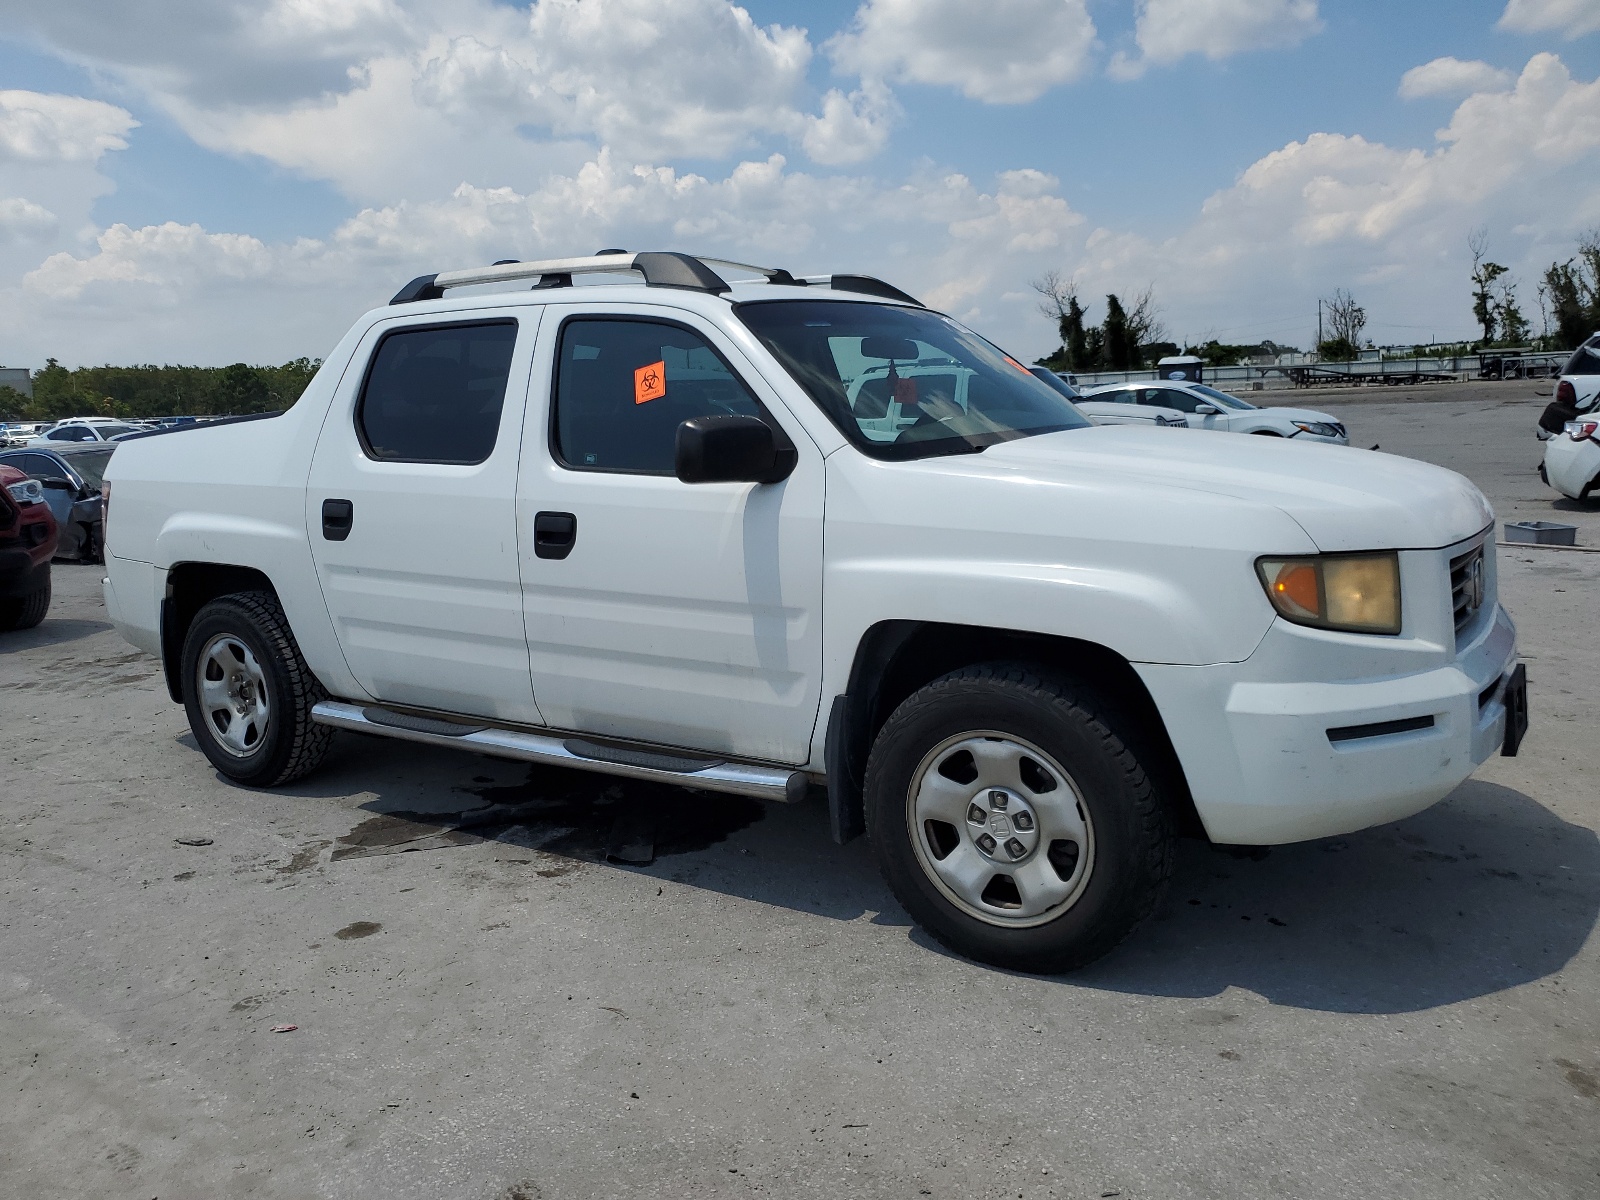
(752, 537)
(1207, 408)
(1112, 414)
(1572, 456)
(18, 433)
(86, 429)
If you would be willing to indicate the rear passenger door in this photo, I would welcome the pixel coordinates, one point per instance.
(410, 507)
(681, 614)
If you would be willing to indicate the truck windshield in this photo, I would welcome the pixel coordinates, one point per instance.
(905, 383)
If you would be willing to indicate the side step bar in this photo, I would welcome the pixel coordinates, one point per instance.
(635, 762)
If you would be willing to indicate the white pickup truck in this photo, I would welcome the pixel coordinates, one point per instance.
(659, 527)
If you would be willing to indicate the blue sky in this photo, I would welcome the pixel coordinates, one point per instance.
(206, 181)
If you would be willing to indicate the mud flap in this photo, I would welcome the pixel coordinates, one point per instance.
(846, 811)
(1516, 702)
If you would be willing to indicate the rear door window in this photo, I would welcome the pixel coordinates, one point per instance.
(434, 394)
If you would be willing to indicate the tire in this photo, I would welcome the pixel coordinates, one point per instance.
(1096, 841)
(24, 612)
(89, 550)
(249, 693)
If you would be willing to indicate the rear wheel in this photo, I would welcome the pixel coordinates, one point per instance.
(249, 694)
(24, 612)
(1012, 822)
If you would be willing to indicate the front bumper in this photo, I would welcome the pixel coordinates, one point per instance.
(1269, 761)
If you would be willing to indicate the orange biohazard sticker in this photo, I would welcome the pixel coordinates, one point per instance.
(650, 383)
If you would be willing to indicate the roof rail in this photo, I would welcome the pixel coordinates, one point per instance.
(867, 285)
(659, 268)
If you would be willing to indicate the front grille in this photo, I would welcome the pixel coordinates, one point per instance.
(1468, 586)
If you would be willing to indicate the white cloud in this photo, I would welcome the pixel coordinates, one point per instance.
(182, 292)
(396, 97)
(36, 127)
(1452, 77)
(851, 128)
(1328, 209)
(1001, 52)
(24, 221)
(1389, 222)
(1570, 18)
(1168, 30)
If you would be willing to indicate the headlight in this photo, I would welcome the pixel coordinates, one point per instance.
(1320, 428)
(29, 491)
(1354, 593)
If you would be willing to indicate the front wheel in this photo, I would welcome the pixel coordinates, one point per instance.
(249, 694)
(28, 610)
(1013, 823)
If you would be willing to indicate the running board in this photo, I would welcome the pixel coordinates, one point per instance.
(633, 761)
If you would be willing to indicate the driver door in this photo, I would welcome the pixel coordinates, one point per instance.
(682, 614)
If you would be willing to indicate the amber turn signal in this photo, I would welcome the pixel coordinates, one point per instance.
(1354, 593)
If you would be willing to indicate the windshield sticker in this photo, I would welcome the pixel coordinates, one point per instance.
(650, 383)
(1018, 365)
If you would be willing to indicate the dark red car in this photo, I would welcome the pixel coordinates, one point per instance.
(27, 543)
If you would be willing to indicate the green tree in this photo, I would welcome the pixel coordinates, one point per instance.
(1120, 351)
(1573, 290)
(13, 404)
(151, 391)
(1346, 320)
(241, 389)
(1061, 305)
(1508, 317)
(1484, 275)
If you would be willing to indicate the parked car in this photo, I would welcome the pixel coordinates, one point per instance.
(1577, 391)
(71, 475)
(1113, 412)
(1057, 380)
(667, 530)
(27, 543)
(17, 433)
(86, 429)
(1207, 408)
(1572, 458)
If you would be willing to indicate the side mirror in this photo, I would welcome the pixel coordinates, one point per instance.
(732, 449)
(1206, 410)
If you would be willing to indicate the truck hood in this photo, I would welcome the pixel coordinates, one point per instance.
(1345, 499)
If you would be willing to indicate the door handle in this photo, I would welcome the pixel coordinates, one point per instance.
(554, 534)
(337, 518)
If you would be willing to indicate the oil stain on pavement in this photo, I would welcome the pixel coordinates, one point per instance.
(575, 814)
